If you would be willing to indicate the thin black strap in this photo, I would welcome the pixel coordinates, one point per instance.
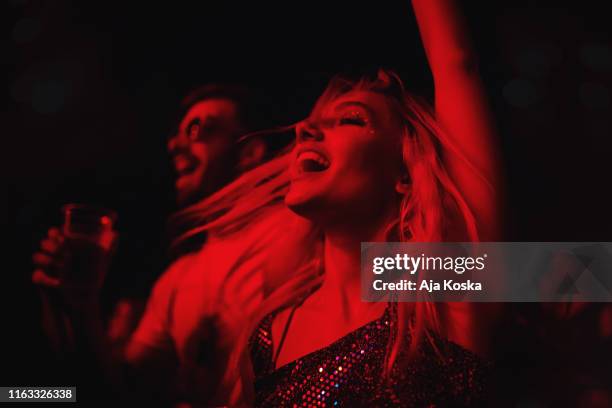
(284, 335)
(289, 319)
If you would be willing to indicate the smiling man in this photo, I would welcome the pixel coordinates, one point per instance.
(203, 147)
(179, 349)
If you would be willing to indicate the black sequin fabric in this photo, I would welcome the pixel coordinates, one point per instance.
(348, 373)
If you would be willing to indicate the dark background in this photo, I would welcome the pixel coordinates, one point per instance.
(92, 89)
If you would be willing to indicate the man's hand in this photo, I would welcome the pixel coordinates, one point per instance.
(48, 260)
(75, 266)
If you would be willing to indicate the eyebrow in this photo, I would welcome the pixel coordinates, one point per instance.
(206, 120)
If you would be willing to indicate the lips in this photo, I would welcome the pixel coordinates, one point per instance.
(184, 165)
(311, 161)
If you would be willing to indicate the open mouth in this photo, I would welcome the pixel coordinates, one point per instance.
(310, 161)
(183, 165)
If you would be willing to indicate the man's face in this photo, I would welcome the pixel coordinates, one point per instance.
(202, 149)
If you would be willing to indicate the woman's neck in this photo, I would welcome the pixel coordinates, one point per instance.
(342, 257)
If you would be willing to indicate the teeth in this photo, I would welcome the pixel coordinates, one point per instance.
(310, 155)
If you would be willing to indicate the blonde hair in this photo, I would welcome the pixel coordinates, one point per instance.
(431, 210)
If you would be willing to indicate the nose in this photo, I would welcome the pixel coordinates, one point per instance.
(177, 142)
(308, 131)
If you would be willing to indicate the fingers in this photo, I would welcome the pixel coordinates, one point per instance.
(49, 248)
(42, 259)
(52, 243)
(39, 277)
(48, 258)
(55, 234)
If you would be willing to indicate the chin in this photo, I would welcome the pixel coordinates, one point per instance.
(187, 191)
(309, 205)
(184, 197)
(299, 203)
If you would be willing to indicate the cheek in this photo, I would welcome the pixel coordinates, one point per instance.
(200, 151)
(218, 153)
(363, 173)
(368, 159)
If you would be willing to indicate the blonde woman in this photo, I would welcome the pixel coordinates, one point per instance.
(374, 163)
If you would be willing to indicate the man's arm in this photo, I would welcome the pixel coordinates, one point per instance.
(77, 327)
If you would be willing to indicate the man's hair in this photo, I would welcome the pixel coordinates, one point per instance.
(244, 99)
(253, 115)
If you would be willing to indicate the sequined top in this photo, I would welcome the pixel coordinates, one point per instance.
(348, 373)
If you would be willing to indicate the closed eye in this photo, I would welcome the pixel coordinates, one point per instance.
(352, 120)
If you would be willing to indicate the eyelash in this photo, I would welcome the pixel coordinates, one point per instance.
(354, 120)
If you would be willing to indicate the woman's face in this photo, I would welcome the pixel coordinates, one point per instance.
(347, 160)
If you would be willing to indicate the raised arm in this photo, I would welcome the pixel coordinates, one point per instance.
(462, 109)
